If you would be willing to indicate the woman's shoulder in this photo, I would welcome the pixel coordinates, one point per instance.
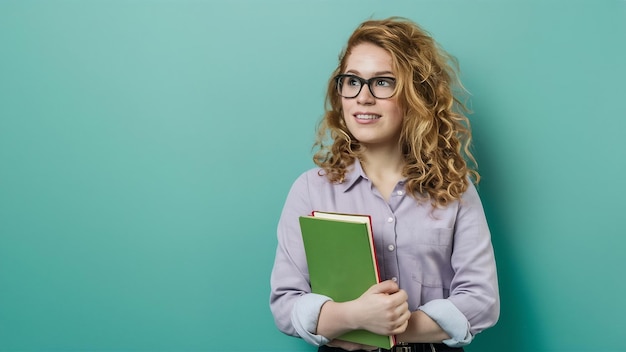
(471, 195)
(309, 183)
(312, 176)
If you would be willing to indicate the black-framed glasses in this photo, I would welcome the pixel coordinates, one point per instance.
(349, 86)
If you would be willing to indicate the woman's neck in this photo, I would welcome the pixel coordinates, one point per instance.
(382, 160)
(383, 168)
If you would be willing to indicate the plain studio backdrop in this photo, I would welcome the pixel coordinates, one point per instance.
(146, 149)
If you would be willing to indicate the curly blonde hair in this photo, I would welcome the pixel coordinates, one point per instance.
(435, 138)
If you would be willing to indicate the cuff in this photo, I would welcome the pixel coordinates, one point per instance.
(304, 317)
(451, 320)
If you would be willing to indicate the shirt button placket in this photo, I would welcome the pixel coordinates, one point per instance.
(391, 249)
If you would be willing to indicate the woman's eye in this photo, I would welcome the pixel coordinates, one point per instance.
(384, 82)
(353, 82)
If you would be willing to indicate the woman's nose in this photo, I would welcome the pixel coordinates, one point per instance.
(365, 96)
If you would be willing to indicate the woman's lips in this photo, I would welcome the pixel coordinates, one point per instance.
(366, 116)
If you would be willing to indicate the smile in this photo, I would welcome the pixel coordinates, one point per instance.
(367, 116)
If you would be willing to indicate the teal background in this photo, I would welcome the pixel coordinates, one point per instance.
(146, 148)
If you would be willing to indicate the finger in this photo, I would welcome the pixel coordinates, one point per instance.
(401, 311)
(387, 286)
(399, 298)
(402, 317)
(401, 328)
(400, 295)
(405, 322)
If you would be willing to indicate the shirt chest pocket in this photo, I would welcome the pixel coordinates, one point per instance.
(431, 253)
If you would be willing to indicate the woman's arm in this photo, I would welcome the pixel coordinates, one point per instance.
(382, 309)
(421, 328)
(473, 304)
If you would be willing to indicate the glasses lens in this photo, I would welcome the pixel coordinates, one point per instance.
(348, 86)
(382, 87)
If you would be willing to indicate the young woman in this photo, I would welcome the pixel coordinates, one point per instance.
(393, 144)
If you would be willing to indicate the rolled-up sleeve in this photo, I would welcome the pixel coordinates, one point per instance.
(294, 307)
(451, 320)
(474, 287)
(304, 317)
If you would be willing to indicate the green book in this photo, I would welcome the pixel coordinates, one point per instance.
(341, 257)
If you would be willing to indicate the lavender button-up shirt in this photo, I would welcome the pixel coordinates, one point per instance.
(442, 257)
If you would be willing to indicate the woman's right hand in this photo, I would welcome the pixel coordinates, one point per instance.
(382, 309)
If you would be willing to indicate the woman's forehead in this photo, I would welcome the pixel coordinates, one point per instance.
(369, 59)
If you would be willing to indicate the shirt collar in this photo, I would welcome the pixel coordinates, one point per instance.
(354, 174)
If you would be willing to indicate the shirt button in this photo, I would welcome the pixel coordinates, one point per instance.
(389, 219)
(391, 247)
(394, 279)
(400, 193)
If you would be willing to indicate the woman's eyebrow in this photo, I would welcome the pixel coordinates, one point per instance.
(376, 74)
